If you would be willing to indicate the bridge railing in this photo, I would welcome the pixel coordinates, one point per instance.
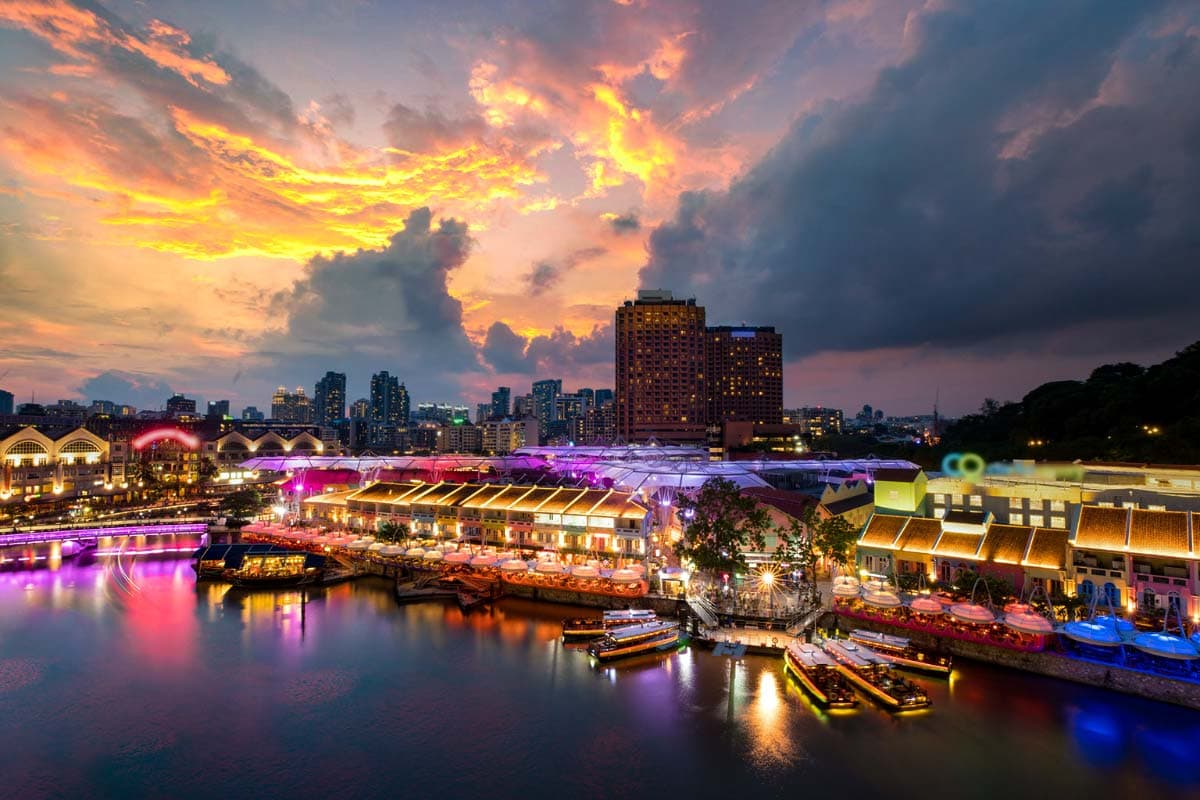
(66, 534)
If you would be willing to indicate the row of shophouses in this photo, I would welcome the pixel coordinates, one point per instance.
(47, 465)
(565, 519)
(1127, 537)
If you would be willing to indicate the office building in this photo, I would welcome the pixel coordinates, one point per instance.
(815, 422)
(596, 425)
(329, 399)
(522, 406)
(501, 437)
(602, 396)
(659, 364)
(6, 402)
(217, 409)
(389, 410)
(500, 402)
(252, 414)
(544, 394)
(291, 407)
(744, 375)
(483, 411)
(180, 406)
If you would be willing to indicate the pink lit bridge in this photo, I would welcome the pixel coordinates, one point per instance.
(92, 535)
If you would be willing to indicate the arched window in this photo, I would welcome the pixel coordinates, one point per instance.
(944, 571)
(1087, 591)
(79, 449)
(1112, 595)
(27, 452)
(1175, 603)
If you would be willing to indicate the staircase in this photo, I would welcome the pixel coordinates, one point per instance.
(705, 610)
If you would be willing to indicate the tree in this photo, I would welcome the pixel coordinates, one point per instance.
(239, 506)
(999, 589)
(796, 549)
(718, 525)
(391, 532)
(833, 538)
(207, 469)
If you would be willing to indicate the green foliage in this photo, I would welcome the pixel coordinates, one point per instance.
(391, 532)
(1122, 412)
(241, 505)
(999, 589)
(720, 523)
(207, 469)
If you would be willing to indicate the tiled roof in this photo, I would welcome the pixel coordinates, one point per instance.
(897, 474)
(1048, 549)
(553, 499)
(1005, 544)
(881, 530)
(330, 498)
(794, 504)
(958, 545)
(966, 517)
(486, 494)
(1159, 533)
(919, 535)
(838, 507)
(1101, 528)
(386, 492)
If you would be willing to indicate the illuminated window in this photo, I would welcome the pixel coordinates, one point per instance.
(1015, 503)
(1037, 520)
(1015, 519)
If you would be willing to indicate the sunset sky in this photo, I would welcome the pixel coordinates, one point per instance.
(952, 197)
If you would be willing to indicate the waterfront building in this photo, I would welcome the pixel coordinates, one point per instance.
(329, 399)
(659, 365)
(53, 462)
(293, 408)
(500, 403)
(743, 375)
(6, 402)
(1052, 494)
(595, 521)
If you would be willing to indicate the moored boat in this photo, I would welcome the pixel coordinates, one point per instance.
(819, 675)
(629, 640)
(594, 627)
(901, 652)
(870, 672)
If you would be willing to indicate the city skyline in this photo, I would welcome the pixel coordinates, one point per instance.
(191, 207)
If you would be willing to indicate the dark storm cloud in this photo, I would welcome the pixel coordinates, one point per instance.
(561, 352)
(545, 275)
(625, 223)
(1029, 168)
(138, 389)
(381, 309)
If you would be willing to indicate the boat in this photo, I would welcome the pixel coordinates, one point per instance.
(819, 675)
(630, 640)
(901, 652)
(870, 672)
(595, 627)
(251, 565)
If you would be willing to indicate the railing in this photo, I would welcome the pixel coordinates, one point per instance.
(94, 532)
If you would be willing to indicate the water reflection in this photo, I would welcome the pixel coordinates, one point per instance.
(134, 669)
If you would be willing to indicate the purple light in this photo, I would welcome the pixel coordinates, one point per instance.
(299, 487)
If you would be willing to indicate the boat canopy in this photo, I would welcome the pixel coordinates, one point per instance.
(483, 561)
(881, 598)
(845, 586)
(584, 571)
(926, 605)
(415, 552)
(1166, 645)
(1091, 633)
(1028, 621)
(458, 558)
(972, 612)
(625, 576)
(550, 567)
(433, 555)
(514, 565)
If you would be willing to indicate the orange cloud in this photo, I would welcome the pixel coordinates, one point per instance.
(77, 32)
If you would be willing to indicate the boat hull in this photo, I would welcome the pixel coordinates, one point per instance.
(810, 685)
(659, 642)
(877, 694)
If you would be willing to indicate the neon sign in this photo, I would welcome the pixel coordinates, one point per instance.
(970, 466)
(158, 434)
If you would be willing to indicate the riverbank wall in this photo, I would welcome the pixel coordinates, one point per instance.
(1114, 677)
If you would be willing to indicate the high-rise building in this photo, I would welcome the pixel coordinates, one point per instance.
(360, 409)
(292, 407)
(602, 396)
(743, 375)
(180, 406)
(522, 406)
(483, 411)
(660, 368)
(501, 437)
(217, 409)
(329, 399)
(252, 414)
(6, 402)
(816, 421)
(500, 402)
(544, 394)
(389, 409)
(597, 425)
(102, 408)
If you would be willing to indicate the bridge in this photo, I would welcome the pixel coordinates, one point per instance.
(91, 534)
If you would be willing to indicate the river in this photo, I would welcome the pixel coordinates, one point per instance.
(124, 678)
